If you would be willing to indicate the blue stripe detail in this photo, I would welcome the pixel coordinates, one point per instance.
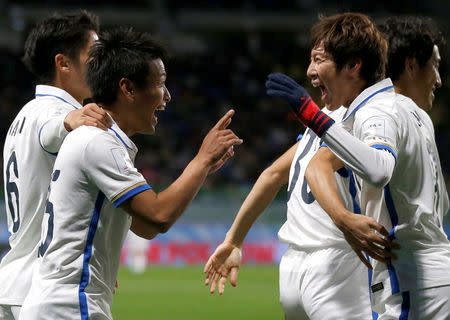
(365, 100)
(394, 220)
(384, 147)
(323, 145)
(352, 189)
(118, 136)
(395, 287)
(130, 194)
(369, 271)
(391, 208)
(299, 137)
(87, 256)
(52, 95)
(405, 306)
(39, 139)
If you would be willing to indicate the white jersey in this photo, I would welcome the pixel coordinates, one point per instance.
(308, 226)
(413, 203)
(83, 228)
(29, 154)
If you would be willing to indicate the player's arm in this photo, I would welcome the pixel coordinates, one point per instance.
(358, 230)
(58, 123)
(226, 259)
(373, 165)
(156, 212)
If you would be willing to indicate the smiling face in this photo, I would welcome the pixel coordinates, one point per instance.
(152, 97)
(335, 85)
(425, 80)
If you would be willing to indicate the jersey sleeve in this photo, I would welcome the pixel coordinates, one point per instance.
(371, 151)
(52, 131)
(109, 165)
(377, 128)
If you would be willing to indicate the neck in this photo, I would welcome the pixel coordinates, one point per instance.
(59, 83)
(119, 117)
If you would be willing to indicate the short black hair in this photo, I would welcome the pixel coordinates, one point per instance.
(58, 33)
(349, 36)
(121, 53)
(409, 37)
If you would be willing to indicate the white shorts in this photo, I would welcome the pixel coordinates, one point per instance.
(424, 304)
(325, 284)
(8, 312)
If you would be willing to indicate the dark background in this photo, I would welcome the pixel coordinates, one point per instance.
(222, 52)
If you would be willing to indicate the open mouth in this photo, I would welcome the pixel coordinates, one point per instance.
(323, 92)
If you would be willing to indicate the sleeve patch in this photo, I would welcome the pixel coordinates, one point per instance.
(375, 127)
(121, 160)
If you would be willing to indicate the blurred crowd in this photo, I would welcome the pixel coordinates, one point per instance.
(229, 73)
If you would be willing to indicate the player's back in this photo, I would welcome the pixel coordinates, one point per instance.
(27, 168)
(414, 201)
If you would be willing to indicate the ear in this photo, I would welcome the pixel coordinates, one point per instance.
(126, 87)
(411, 66)
(62, 63)
(355, 65)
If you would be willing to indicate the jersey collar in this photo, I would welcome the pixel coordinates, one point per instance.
(50, 91)
(122, 136)
(367, 94)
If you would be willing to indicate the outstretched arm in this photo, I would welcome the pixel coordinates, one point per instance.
(358, 230)
(374, 166)
(155, 213)
(226, 259)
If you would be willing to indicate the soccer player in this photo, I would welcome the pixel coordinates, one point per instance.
(320, 275)
(394, 154)
(55, 51)
(97, 193)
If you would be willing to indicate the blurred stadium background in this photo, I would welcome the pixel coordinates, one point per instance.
(221, 54)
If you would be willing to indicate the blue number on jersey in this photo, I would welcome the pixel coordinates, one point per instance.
(48, 209)
(307, 197)
(11, 188)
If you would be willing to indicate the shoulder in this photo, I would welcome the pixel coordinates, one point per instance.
(90, 137)
(383, 105)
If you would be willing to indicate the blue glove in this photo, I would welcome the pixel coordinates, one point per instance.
(280, 85)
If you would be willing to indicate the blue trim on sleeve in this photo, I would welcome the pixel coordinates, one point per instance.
(39, 139)
(323, 145)
(87, 256)
(365, 100)
(118, 136)
(130, 194)
(299, 137)
(385, 147)
(405, 306)
(52, 95)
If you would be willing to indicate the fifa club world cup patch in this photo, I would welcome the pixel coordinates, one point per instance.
(120, 159)
(375, 127)
(377, 287)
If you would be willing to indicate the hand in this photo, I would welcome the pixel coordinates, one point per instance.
(359, 231)
(225, 261)
(116, 286)
(217, 146)
(89, 115)
(280, 85)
